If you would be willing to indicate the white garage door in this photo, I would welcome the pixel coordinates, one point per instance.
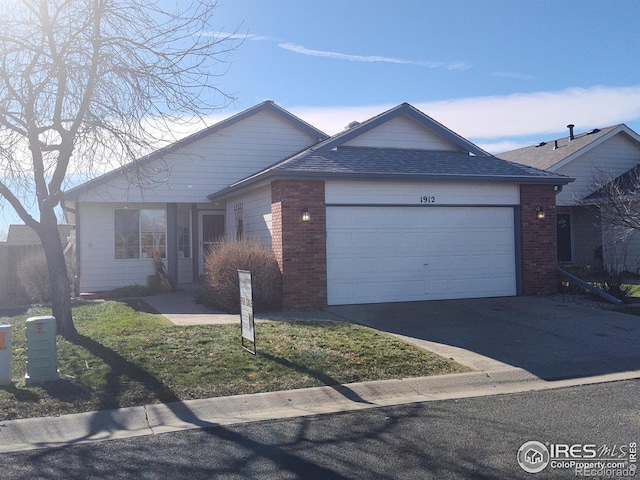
(395, 254)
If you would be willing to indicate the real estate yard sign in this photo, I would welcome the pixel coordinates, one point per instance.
(247, 327)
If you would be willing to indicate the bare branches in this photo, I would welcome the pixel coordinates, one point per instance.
(85, 83)
(85, 76)
(616, 200)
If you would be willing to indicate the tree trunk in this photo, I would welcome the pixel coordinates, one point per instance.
(58, 276)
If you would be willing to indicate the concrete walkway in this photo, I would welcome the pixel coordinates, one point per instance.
(185, 307)
(498, 322)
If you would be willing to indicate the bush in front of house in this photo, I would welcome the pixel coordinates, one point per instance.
(221, 266)
(33, 277)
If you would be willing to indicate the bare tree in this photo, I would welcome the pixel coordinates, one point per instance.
(616, 205)
(616, 201)
(88, 84)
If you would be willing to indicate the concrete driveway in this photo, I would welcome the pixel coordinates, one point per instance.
(549, 338)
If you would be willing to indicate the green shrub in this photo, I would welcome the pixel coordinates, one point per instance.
(221, 266)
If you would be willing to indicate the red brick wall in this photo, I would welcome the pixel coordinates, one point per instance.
(538, 237)
(300, 247)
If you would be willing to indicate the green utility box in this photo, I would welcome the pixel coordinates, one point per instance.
(5, 354)
(42, 356)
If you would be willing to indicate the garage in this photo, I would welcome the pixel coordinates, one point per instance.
(394, 254)
(400, 208)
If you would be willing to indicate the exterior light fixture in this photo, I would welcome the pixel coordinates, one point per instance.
(306, 216)
(540, 213)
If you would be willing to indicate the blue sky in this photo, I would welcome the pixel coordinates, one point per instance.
(502, 73)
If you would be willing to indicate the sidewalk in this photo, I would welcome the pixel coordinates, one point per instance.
(48, 432)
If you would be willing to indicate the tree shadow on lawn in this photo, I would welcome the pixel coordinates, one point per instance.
(121, 367)
(21, 394)
(327, 380)
(105, 420)
(139, 305)
(14, 311)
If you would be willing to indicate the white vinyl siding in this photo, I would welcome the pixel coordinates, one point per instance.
(211, 163)
(256, 215)
(613, 157)
(99, 268)
(402, 132)
(403, 193)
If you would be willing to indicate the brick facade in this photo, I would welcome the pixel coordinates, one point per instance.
(538, 240)
(300, 247)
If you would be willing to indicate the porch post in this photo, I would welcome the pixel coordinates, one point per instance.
(172, 240)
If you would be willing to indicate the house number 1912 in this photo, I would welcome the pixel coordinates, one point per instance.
(427, 199)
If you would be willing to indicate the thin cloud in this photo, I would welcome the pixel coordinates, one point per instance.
(517, 76)
(292, 47)
(492, 120)
(537, 113)
(295, 48)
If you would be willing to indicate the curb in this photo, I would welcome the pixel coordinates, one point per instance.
(48, 432)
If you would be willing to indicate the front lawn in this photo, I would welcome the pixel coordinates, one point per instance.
(126, 357)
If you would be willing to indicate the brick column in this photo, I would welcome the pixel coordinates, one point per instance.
(538, 240)
(300, 247)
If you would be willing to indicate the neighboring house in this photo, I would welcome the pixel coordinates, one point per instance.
(23, 244)
(397, 208)
(24, 235)
(582, 240)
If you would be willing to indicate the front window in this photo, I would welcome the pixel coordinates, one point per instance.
(127, 234)
(140, 233)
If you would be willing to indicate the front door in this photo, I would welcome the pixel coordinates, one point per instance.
(211, 228)
(564, 238)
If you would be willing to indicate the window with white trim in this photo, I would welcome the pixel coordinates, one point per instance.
(139, 233)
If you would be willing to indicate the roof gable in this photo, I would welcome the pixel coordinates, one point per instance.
(555, 154)
(403, 132)
(267, 106)
(449, 137)
(336, 158)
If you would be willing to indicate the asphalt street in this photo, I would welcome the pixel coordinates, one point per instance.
(448, 439)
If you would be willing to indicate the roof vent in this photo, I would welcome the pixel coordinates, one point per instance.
(541, 144)
(355, 123)
(570, 127)
(591, 132)
(555, 144)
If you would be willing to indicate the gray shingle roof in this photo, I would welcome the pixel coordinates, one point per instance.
(545, 155)
(389, 162)
(25, 235)
(367, 163)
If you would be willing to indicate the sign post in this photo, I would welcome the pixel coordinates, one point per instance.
(247, 326)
